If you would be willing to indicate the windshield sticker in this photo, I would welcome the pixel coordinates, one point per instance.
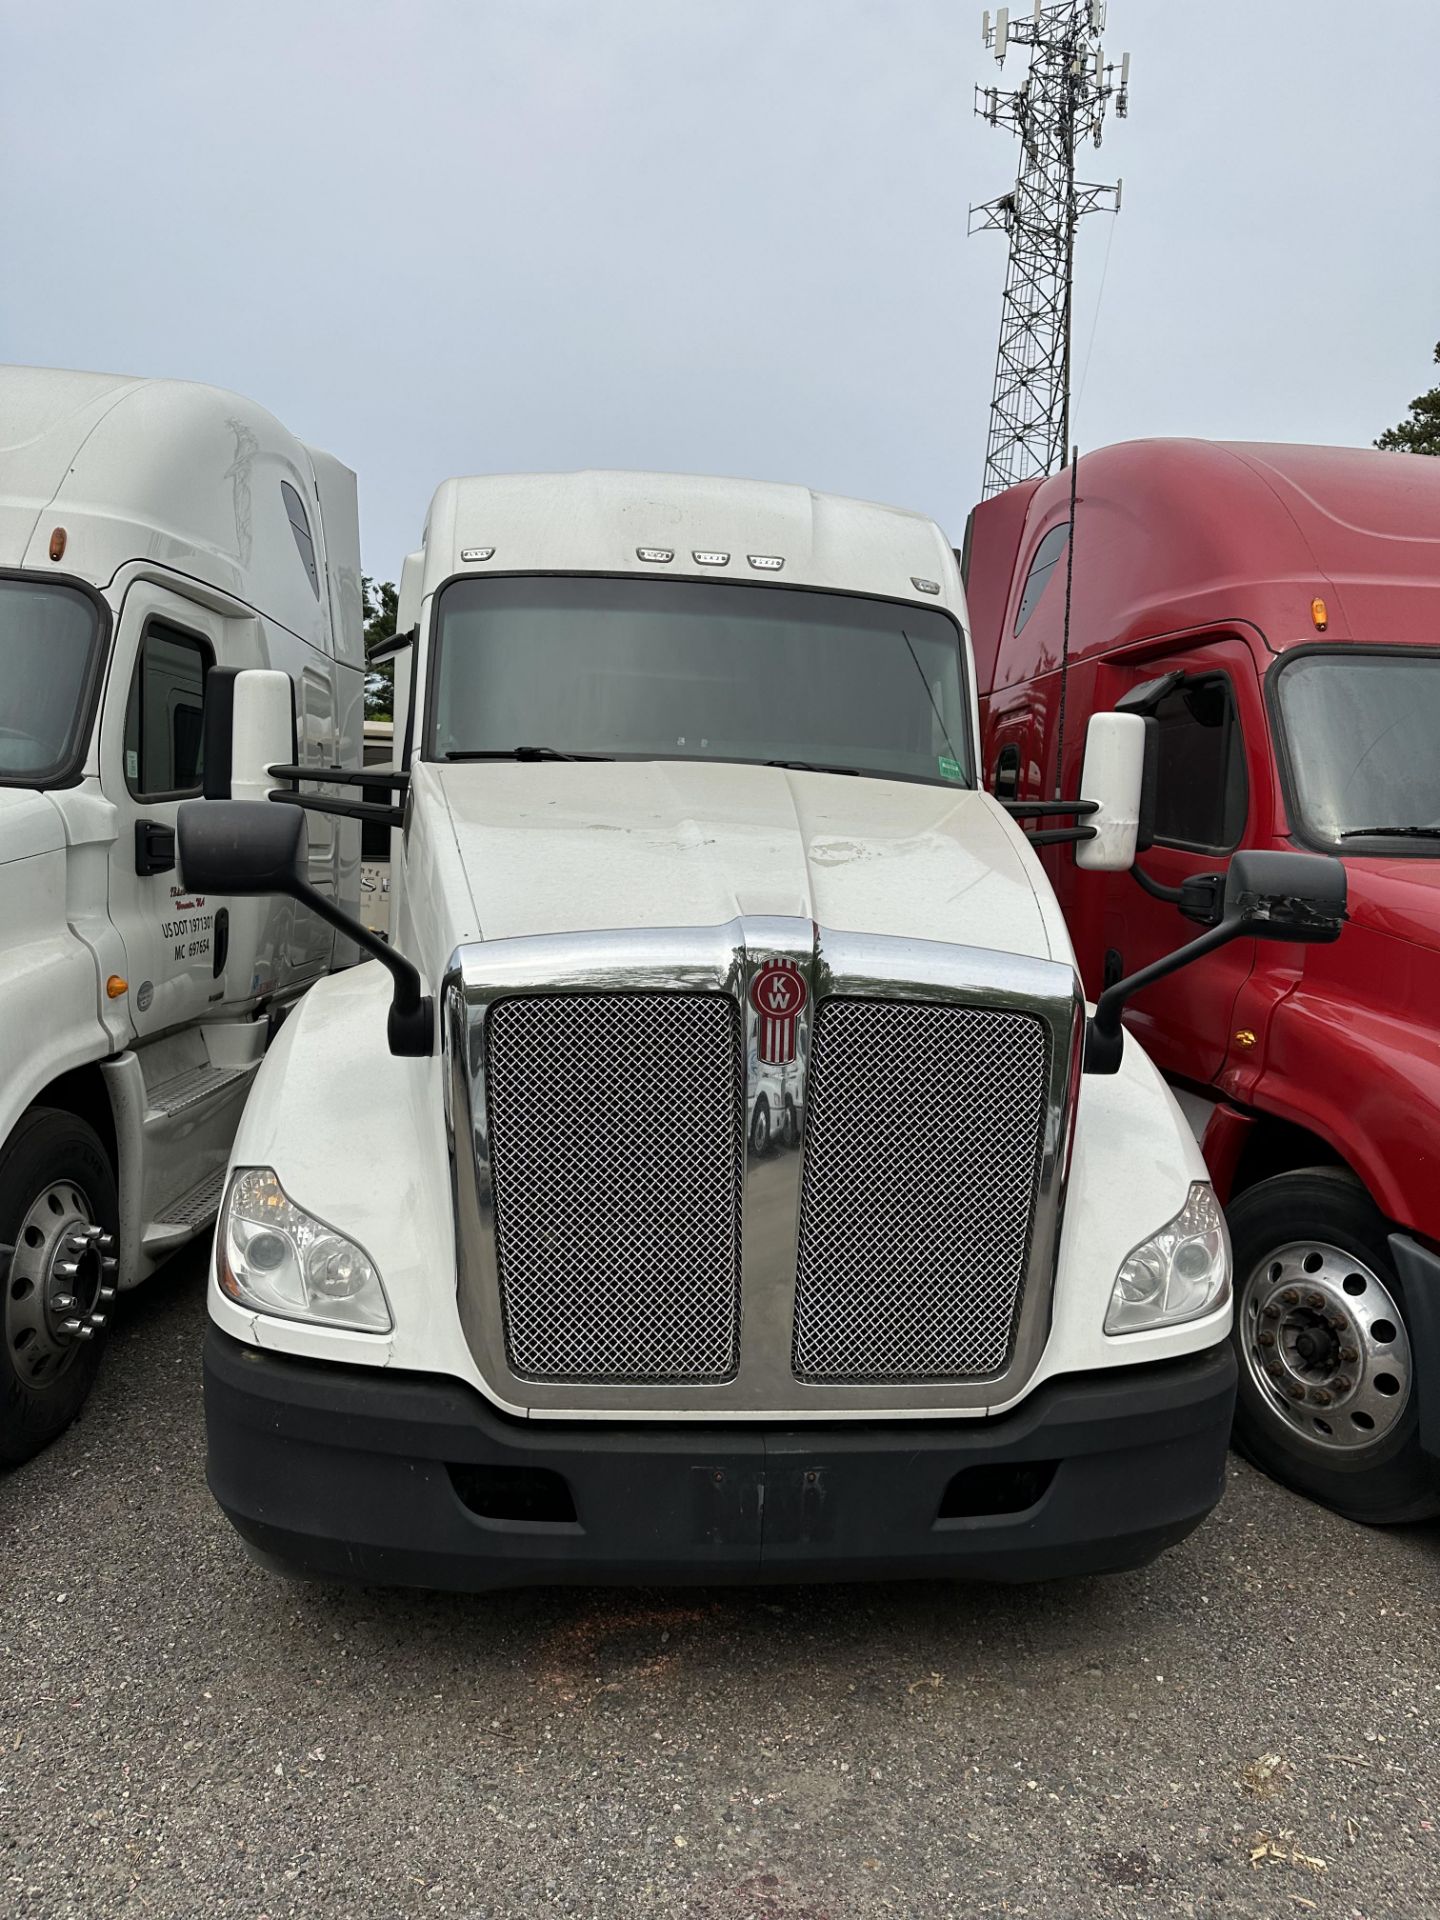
(949, 769)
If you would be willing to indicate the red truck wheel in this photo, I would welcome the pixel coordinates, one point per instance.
(1328, 1401)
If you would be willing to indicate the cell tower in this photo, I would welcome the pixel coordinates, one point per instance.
(1060, 106)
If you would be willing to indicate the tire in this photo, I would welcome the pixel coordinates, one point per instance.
(1329, 1399)
(760, 1128)
(58, 1208)
(790, 1125)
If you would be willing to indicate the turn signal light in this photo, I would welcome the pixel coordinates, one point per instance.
(115, 986)
(1319, 615)
(57, 544)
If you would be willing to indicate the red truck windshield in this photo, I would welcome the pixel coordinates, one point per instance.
(1360, 727)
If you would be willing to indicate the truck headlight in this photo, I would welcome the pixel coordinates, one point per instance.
(1177, 1274)
(273, 1256)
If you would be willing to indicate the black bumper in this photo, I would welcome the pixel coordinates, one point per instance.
(349, 1473)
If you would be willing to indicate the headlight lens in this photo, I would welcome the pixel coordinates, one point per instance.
(1178, 1274)
(273, 1256)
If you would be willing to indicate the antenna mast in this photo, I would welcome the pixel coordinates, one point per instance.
(1061, 105)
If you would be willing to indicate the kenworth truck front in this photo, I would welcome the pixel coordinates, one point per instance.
(509, 1286)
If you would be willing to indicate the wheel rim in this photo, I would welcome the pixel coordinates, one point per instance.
(1325, 1345)
(760, 1130)
(60, 1284)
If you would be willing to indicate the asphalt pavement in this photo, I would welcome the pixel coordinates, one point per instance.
(1246, 1728)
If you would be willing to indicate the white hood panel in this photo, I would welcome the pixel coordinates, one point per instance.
(563, 847)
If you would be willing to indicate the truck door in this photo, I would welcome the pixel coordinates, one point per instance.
(1202, 804)
(151, 761)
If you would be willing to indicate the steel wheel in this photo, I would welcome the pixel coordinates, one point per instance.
(1325, 1344)
(60, 1284)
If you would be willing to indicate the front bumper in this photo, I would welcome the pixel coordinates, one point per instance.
(358, 1474)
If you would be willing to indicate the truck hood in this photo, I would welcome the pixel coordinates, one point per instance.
(29, 824)
(559, 847)
(1400, 897)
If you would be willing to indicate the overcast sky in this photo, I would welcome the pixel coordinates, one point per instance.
(452, 236)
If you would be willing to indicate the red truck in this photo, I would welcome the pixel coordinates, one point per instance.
(1274, 613)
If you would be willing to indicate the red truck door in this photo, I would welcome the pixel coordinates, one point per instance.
(1202, 806)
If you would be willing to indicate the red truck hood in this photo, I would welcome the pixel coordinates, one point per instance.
(1400, 897)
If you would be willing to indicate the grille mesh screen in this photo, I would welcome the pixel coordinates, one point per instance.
(922, 1145)
(615, 1139)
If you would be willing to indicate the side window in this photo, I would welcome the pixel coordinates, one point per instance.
(1047, 556)
(300, 527)
(165, 720)
(1200, 788)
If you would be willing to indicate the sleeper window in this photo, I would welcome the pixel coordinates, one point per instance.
(1047, 558)
(300, 527)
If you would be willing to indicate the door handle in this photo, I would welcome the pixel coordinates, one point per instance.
(154, 847)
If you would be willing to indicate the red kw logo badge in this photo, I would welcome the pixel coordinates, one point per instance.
(778, 994)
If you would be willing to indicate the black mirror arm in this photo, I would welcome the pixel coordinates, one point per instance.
(411, 1025)
(1104, 1035)
(1157, 889)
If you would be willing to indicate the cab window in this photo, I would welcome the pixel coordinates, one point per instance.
(1047, 558)
(1200, 791)
(165, 719)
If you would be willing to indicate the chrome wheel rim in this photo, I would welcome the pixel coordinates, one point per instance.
(1325, 1345)
(60, 1283)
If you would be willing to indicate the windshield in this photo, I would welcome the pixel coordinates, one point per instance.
(48, 656)
(1361, 729)
(698, 669)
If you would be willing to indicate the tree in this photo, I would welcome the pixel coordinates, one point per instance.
(1421, 432)
(381, 604)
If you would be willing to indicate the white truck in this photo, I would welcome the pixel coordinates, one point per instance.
(506, 1286)
(157, 538)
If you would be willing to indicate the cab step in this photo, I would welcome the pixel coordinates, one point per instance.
(186, 1215)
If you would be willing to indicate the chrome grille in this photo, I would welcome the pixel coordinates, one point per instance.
(616, 1138)
(922, 1145)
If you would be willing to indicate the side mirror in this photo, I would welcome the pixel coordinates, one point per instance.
(239, 847)
(1286, 896)
(1113, 781)
(1268, 896)
(244, 847)
(249, 728)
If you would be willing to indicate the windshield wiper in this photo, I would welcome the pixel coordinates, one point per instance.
(812, 766)
(521, 753)
(1389, 833)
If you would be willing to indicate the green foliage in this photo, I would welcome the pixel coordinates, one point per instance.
(381, 604)
(1421, 432)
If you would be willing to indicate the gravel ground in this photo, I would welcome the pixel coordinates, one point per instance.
(1246, 1728)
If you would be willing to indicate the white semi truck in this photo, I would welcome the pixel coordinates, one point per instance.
(508, 1285)
(157, 538)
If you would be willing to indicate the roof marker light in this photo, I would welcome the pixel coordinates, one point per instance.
(1318, 614)
(766, 562)
(657, 556)
(704, 558)
(57, 544)
(477, 553)
(925, 586)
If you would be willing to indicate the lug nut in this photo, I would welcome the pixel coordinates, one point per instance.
(63, 1302)
(84, 1333)
(108, 1264)
(1335, 1321)
(1349, 1355)
(72, 1326)
(97, 1320)
(1342, 1383)
(1267, 1338)
(1315, 1300)
(1295, 1390)
(1321, 1398)
(1270, 1311)
(1291, 1296)
(107, 1293)
(67, 1269)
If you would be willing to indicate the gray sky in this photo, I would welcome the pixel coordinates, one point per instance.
(459, 236)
